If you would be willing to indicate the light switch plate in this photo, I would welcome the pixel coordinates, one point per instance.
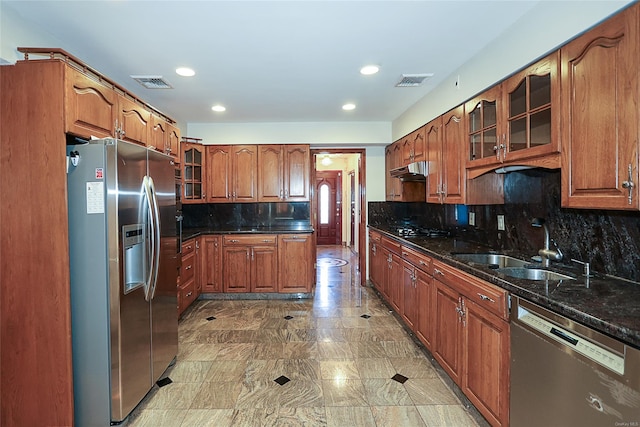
(501, 223)
(472, 218)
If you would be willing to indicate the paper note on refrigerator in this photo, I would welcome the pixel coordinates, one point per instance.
(95, 197)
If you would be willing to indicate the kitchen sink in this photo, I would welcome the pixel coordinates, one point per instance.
(492, 260)
(532, 274)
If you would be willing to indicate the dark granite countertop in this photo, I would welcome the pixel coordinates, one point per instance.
(188, 233)
(607, 304)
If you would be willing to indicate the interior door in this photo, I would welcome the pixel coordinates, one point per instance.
(329, 207)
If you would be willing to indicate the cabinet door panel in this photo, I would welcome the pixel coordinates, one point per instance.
(453, 168)
(159, 134)
(218, 173)
(446, 337)
(486, 381)
(172, 146)
(134, 120)
(601, 117)
(433, 141)
(264, 269)
(424, 323)
(237, 272)
(90, 108)
(296, 173)
(409, 296)
(211, 264)
(270, 177)
(245, 173)
(295, 263)
(396, 285)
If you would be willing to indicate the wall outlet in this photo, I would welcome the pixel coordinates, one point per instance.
(501, 223)
(472, 218)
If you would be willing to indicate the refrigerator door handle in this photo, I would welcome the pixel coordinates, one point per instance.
(155, 232)
(148, 197)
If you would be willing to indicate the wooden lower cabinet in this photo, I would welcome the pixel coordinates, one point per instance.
(211, 263)
(409, 294)
(486, 363)
(425, 295)
(250, 263)
(296, 259)
(447, 330)
(187, 290)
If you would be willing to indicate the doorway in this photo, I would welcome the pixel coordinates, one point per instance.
(352, 163)
(329, 207)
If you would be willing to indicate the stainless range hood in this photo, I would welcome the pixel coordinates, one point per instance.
(416, 171)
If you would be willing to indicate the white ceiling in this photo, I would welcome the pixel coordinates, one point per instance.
(273, 61)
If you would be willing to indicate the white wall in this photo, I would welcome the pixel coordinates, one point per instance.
(547, 26)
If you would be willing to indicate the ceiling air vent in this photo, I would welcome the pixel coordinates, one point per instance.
(152, 82)
(412, 80)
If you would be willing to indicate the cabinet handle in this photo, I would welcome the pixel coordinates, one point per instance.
(485, 298)
(188, 267)
(629, 185)
(504, 147)
(247, 252)
(436, 271)
(189, 294)
(292, 237)
(281, 194)
(422, 262)
(405, 254)
(497, 151)
(234, 240)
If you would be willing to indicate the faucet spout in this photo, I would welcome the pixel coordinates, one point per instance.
(547, 254)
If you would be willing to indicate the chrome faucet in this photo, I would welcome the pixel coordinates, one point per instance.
(547, 254)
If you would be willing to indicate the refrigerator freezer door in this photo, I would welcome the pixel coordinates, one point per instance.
(164, 304)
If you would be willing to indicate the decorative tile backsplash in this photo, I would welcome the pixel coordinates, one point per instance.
(609, 240)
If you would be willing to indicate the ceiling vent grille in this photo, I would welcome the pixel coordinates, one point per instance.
(152, 82)
(413, 80)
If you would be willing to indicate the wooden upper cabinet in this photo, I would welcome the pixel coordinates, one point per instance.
(406, 150)
(90, 107)
(388, 165)
(172, 145)
(159, 134)
(296, 170)
(218, 173)
(485, 139)
(244, 173)
(453, 170)
(133, 122)
(532, 108)
(193, 173)
(435, 158)
(601, 115)
(413, 147)
(270, 173)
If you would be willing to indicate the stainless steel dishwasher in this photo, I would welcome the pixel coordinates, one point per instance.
(565, 374)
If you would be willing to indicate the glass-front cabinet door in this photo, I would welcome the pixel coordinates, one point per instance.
(532, 99)
(483, 124)
(193, 172)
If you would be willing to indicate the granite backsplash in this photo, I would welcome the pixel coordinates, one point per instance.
(609, 240)
(237, 215)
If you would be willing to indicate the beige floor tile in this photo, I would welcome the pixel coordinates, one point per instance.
(199, 352)
(265, 370)
(297, 369)
(375, 368)
(331, 335)
(386, 392)
(226, 371)
(446, 416)
(350, 416)
(301, 417)
(397, 416)
(344, 393)
(269, 394)
(300, 350)
(189, 371)
(174, 396)
(235, 351)
(427, 391)
(334, 350)
(414, 367)
(337, 369)
(208, 418)
(217, 395)
(268, 350)
(157, 418)
(367, 349)
(399, 349)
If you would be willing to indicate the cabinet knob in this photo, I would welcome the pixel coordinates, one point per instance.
(485, 298)
(436, 271)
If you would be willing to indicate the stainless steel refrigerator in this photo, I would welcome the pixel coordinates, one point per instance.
(123, 264)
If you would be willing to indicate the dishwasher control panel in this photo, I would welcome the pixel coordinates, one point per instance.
(581, 345)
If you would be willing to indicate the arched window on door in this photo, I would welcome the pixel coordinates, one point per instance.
(324, 204)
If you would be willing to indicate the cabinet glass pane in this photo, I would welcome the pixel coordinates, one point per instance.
(541, 128)
(197, 157)
(489, 116)
(324, 204)
(188, 191)
(540, 91)
(474, 119)
(518, 100)
(197, 191)
(489, 141)
(197, 173)
(474, 148)
(188, 156)
(188, 173)
(518, 134)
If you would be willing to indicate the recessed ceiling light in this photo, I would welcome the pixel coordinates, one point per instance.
(367, 70)
(349, 107)
(185, 72)
(218, 108)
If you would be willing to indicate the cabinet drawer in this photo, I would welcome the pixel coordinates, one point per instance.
(187, 270)
(420, 261)
(486, 295)
(250, 240)
(375, 237)
(188, 294)
(392, 245)
(188, 246)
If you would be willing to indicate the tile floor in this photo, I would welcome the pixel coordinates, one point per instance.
(339, 359)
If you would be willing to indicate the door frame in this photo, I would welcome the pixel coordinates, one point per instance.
(362, 190)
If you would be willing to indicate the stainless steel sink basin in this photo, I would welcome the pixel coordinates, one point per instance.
(532, 274)
(493, 260)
